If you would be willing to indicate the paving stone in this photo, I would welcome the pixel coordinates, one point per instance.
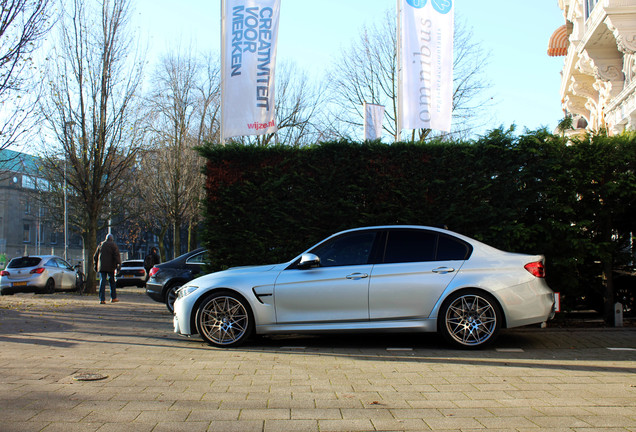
(560, 381)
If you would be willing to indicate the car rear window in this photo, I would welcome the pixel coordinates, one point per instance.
(24, 262)
(132, 264)
(452, 249)
(200, 258)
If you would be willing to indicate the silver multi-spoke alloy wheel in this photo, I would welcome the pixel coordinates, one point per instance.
(471, 320)
(224, 320)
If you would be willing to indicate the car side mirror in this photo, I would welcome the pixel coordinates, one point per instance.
(308, 261)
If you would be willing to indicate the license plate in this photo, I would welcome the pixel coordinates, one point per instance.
(19, 284)
(128, 276)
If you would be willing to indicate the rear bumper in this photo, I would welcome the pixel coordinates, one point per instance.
(155, 292)
(527, 304)
(121, 282)
(31, 285)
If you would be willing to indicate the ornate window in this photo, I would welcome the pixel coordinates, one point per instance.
(589, 6)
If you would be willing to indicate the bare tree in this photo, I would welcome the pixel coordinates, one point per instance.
(367, 72)
(23, 25)
(298, 104)
(183, 113)
(91, 113)
(209, 106)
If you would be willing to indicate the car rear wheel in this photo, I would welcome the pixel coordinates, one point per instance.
(224, 320)
(470, 319)
(171, 296)
(49, 288)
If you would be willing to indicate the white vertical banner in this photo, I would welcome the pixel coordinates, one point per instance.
(425, 38)
(373, 116)
(248, 57)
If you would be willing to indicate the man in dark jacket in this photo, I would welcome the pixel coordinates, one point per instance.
(151, 260)
(106, 260)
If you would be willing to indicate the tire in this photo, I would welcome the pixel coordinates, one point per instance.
(80, 283)
(224, 320)
(171, 296)
(470, 319)
(49, 288)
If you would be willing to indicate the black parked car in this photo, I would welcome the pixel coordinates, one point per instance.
(166, 278)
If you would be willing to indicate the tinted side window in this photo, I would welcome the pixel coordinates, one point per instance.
(349, 249)
(410, 246)
(200, 258)
(63, 264)
(449, 249)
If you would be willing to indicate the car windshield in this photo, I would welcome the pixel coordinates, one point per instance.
(24, 262)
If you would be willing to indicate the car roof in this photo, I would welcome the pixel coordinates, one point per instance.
(182, 258)
(473, 242)
(42, 257)
(424, 227)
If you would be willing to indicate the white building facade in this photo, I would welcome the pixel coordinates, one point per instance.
(598, 40)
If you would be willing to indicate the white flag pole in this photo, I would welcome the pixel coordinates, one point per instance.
(222, 128)
(398, 40)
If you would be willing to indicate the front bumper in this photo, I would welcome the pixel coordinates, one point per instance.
(181, 319)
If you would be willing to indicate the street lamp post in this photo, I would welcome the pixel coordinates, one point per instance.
(65, 216)
(68, 131)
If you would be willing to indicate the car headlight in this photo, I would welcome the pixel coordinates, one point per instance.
(186, 290)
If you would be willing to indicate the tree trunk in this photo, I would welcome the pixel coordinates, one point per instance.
(177, 238)
(192, 236)
(91, 247)
(162, 246)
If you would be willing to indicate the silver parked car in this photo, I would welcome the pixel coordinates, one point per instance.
(42, 273)
(390, 278)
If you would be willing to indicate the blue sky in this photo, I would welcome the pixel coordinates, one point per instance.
(525, 81)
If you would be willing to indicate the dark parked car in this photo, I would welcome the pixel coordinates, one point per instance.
(132, 272)
(166, 278)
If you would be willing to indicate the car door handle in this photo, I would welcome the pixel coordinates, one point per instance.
(443, 270)
(357, 276)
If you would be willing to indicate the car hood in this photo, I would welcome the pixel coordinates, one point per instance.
(247, 269)
(235, 275)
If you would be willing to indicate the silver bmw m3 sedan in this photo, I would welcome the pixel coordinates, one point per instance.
(374, 279)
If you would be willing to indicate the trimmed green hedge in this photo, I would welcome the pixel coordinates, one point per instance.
(531, 193)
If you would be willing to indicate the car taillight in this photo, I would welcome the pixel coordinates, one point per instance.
(38, 270)
(154, 271)
(536, 269)
(140, 272)
(4, 273)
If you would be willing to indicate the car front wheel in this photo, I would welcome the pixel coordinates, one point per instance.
(171, 296)
(224, 320)
(470, 319)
